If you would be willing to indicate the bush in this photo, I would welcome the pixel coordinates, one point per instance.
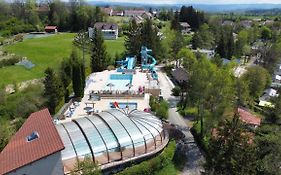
(110, 67)
(9, 62)
(176, 91)
(153, 165)
(160, 108)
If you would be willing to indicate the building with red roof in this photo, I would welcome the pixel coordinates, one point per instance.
(249, 118)
(34, 149)
(51, 29)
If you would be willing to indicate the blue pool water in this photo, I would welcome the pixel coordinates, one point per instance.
(119, 81)
(123, 105)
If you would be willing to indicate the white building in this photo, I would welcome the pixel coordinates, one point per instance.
(109, 30)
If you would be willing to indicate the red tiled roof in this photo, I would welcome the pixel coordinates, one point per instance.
(19, 152)
(50, 27)
(249, 118)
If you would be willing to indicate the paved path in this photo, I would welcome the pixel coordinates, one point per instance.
(194, 156)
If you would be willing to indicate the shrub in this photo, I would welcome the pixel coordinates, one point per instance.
(9, 62)
(110, 67)
(153, 165)
(159, 107)
(176, 91)
(162, 110)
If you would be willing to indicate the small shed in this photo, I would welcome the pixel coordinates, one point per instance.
(51, 29)
(180, 75)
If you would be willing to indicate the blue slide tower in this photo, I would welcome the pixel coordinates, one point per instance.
(145, 55)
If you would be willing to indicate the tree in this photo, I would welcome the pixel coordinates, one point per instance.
(274, 113)
(6, 131)
(266, 33)
(210, 89)
(188, 57)
(268, 149)
(242, 92)
(175, 23)
(176, 46)
(193, 17)
(230, 45)
(226, 43)
(78, 75)
(257, 79)
(270, 55)
(242, 41)
(231, 150)
(83, 42)
(53, 90)
(133, 39)
(98, 58)
(150, 39)
(86, 167)
(203, 38)
(65, 74)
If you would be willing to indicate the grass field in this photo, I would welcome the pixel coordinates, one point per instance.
(45, 52)
(113, 46)
(118, 19)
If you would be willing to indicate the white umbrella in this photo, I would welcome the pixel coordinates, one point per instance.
(110, 85)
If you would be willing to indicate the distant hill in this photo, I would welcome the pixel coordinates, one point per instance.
(204, 7)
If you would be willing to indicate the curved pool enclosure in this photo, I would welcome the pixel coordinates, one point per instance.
(110, 137)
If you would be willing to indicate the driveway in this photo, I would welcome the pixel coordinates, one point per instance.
(193, 155)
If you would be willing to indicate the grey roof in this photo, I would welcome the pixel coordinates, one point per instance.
(105, 26)
(110, 136)
(180, 75)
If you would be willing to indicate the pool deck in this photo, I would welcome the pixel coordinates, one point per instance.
(96, 82)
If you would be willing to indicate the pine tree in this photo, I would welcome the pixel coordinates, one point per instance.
(78, 75)
(175, 25)
(98, 58)
(53, 90)
(230, 45)
(230, 151)
(150, 38)
(133, 39)
(221, 48)
(65, 73)
(176, 46)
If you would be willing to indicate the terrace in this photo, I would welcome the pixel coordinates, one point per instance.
(103, 89)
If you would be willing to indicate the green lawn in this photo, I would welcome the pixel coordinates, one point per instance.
(114, 46)
(118, 19)
(45, 52)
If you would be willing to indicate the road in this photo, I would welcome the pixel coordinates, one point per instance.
(194, 156)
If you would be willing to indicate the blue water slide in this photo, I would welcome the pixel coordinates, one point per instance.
(131, 61)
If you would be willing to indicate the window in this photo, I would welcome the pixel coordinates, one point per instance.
(33, 136)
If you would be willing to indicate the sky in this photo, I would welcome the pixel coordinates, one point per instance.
(196, 1)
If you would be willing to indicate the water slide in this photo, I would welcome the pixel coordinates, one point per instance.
(145, 55)
(131, 62)
(123, 63)
(128, 63)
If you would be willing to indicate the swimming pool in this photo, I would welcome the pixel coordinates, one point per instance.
(123, 105)
(119, 81)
